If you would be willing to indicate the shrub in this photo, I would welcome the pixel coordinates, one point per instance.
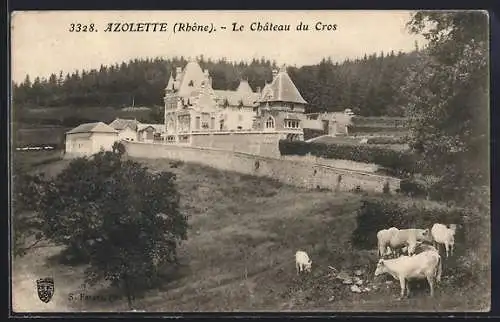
(312, 133)
(376, 214)
(411, 187)
(386, 189)
(387, 140)
(399, 162)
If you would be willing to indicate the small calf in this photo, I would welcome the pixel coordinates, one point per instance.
(443, 235)
(424, 265)
(302, 262)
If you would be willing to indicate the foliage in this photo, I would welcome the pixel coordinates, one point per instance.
(354, 129)
(119, 148)
(368, 85)
(377, 213)
(26, 194)
(412, 188)
(124, 220)
(383, 121)
(312, 133)
(447, 98)
(387, 140)
(399, 162)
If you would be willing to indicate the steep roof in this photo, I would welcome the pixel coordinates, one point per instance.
(244, 87)
(242, 94)
(121, 124)
(282, 89)
(234, 97)
(170, 85)
(157, 127)
(96, 127)
(191, 80)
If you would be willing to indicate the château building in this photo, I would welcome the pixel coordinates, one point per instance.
(193, 107)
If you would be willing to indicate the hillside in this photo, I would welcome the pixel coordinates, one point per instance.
(370, 85)
(239, 256)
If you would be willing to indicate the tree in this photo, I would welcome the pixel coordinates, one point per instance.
(27, 191)
(447, 98)
(123, 220)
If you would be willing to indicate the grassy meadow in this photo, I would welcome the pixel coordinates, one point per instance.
(239, 255)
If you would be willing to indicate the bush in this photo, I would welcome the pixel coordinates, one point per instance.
(413, 188)
(312, 133)
(376, 214)
(398, 162)
(383, 121)
(387, 140)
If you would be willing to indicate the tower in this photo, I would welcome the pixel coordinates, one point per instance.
(170, 100)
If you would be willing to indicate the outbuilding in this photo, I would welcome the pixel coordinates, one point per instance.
(90, 138)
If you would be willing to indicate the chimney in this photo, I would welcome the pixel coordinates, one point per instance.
(178, 70)
(275, 73)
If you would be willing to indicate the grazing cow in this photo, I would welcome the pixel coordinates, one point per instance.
(384, 237)
(409, 238)
(443, 235)
(426, 265)
(364, 141)
(302, 262)
(421, 247)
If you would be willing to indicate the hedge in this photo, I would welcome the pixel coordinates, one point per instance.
(312, 133)
(376, 120)
(399, 163)
(375, 129)
(376, 214)
(387, 140)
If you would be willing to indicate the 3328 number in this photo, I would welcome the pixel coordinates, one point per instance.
(78, 27)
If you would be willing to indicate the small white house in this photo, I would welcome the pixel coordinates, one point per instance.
(127, 129)
(90, 138)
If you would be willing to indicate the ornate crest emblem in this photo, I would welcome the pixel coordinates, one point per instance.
(45, 288)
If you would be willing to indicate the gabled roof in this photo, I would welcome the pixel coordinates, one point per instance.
(191, 79)
(282, 89)
(157, 127)
(234, 97)
(96, 127)
(121, 124)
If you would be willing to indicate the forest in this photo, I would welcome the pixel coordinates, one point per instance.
(369, 85)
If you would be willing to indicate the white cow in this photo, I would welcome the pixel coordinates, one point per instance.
(426, 265)
(443, 235)
(409, 238)
(302, 262)
(364, 141)
(384, 237)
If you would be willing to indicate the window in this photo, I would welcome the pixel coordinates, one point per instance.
(191, 83)
(270, 123)
(292, 124)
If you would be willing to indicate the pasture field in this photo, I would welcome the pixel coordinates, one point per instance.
(239, 255)
(47, 126)
(56, 115)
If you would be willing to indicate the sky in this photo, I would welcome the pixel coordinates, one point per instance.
(41, 42)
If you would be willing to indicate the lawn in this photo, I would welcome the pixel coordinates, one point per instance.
(239, 255)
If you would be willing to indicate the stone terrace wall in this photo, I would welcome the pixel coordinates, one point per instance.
(252, 142)
(297, 173)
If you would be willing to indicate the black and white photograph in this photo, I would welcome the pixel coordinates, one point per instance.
(249, 161)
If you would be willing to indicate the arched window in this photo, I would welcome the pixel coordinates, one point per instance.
(270, 123)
